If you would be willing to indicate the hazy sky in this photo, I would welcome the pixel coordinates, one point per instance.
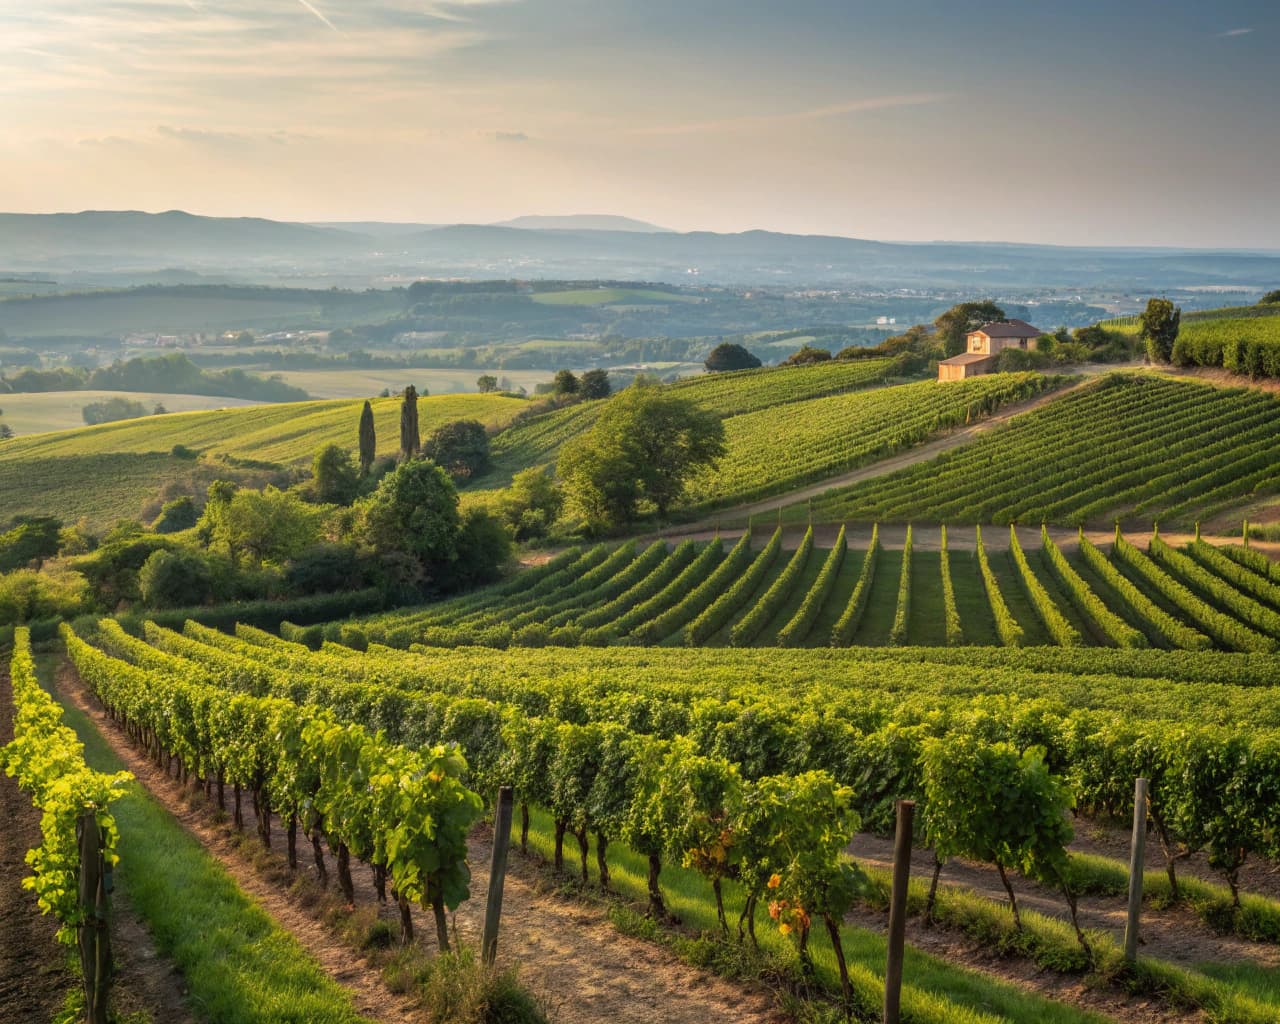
(1078, 121)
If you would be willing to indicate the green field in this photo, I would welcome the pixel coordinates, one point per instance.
(186, 309)
(611, 297)
(41, 412)
(106, 472)
(1137, 448)
(353, 383)
(538, 440)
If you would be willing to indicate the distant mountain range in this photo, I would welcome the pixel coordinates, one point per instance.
(584, 222)
(593, 247)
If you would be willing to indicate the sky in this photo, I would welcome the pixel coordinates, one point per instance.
(1125, 122)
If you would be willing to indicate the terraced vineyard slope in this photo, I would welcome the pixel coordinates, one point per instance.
(1011, 590)
(1137, 448)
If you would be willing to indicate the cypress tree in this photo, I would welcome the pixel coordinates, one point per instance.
(410, 442)
(368, 439)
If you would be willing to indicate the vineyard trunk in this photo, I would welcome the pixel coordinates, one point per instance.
(317, 851)
(345, 882)
(933, 888)
(656, 908)
(1013, 902)
(291, 841)
(561, 826)
(833, 930)
(601, 863)
(583, 847)
(406, 920)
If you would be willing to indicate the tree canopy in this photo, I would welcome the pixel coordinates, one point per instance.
(730, 356)
(594, 384)
(1270, 297)
(565, 383)
(805, 355)
(953, 326)
(643, 447)
(334, 476)
(1158, 327)
(411, 521)
(460, 446)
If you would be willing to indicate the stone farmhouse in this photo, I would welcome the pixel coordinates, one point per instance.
(983, 348)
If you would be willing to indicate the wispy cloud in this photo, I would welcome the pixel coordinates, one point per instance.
(1232, 32)
(314, 10)
(510, 137)
(759, 121)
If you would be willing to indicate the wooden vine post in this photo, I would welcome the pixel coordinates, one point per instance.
(1137, 862)
(497, 873)
(93, 936)
(898, 912)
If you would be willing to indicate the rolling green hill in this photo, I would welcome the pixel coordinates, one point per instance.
(189, 308)
(537, 441)
(109, 471)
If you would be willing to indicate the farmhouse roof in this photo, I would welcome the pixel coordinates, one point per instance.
(1009, 329)
(966, 358)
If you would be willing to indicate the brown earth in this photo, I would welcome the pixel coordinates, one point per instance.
(566, 951)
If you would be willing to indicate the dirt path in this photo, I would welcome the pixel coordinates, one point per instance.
(1176, 935)
(566, 951)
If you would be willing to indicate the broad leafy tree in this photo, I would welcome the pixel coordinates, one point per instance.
(805, 355)
(1158, 327)
(565, 383)
(486, 383)
(532, 503)
(1270, 297)
(956, 323)
(595, 384)
(728, 356)
(411, 522)
(461, 447)
(334, 476)
(644, 446)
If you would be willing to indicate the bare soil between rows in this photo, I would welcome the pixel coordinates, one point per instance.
(565, 951)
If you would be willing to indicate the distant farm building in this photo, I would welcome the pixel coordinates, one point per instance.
(983, 348)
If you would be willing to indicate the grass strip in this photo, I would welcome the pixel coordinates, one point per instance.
(239, 966)
(1239, 997)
